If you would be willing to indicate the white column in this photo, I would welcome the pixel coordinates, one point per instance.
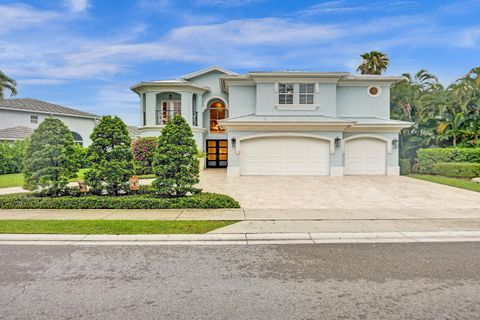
(151, 100)
(187, 106)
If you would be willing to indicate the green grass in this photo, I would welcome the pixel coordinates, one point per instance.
(11, 180)
(453, 182)
(110, 226)
(16, 179)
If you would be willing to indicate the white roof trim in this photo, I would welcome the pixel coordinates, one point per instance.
(207, 70)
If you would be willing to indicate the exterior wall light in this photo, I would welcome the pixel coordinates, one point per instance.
(395, 143)
(337, 142)
(234, 142)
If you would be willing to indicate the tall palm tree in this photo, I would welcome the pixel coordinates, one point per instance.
(7, 83)
(374, 62)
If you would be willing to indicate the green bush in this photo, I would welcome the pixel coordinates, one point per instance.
(201, 201)
(11, 156)
(457, 169)
(81, 153)
(405, 166)
(175, 165)
(143, 152)
(50, 158)
(427, 158)
(111, 157)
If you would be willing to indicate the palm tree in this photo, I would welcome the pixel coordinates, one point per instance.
(374, 62)
(7, 83)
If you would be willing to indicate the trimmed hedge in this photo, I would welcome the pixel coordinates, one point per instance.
(457, 169)
(200, 201)
(427, 158)
(405, 167)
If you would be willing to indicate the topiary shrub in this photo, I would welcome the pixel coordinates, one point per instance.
(175, 165)
(143, 152)
(427, 158)
(457, 169)
(405, 167)
(50, 158)
(12, 156)
(111, 158)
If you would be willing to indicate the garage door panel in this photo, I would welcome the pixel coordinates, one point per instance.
(365, 156)
(285, 156)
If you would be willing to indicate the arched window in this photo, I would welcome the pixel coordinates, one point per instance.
(217, 112)
(194, 110)
(77, 138)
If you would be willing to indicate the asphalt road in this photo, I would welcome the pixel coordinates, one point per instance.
(362, 281)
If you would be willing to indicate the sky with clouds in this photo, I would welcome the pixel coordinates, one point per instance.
(87, 53)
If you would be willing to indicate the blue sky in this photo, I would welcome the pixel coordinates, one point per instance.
(87, 53)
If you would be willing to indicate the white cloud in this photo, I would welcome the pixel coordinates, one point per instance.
(21, 16)
(23, 82)
(77, 5)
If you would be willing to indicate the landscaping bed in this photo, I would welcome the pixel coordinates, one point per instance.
(200, 201)
(109, 226)
(453, 182)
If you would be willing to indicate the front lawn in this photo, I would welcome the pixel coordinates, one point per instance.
(11, 180)
(202, 201)
(110, 226)
(453, 182)
(16, 179)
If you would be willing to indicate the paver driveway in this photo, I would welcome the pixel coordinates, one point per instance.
(343, 193)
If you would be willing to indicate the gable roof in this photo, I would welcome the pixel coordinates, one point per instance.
(207, 70)
(15, 133)
(29, 105)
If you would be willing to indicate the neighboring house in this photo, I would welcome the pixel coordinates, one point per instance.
(281, 123)
(19, 117)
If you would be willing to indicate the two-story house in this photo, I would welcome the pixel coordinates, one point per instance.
(281, 123)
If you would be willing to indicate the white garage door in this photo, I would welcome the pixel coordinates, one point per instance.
(285, 156)
(365, 156)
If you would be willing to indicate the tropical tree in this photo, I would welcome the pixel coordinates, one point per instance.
(7, 83)
(442, 116)
(374, 62)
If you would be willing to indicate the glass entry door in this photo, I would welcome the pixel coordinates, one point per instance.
(217, 153)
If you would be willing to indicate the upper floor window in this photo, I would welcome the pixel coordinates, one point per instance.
(285, 93)
(306, 93)
(168, 105)
(194, 110)
(33, 119)
(217, 112)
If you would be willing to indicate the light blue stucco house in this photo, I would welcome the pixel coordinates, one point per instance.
(281, 123)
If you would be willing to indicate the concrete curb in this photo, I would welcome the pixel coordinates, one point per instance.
(240, 239)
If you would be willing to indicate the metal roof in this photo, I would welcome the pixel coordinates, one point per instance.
(15, 133)
(26, 104)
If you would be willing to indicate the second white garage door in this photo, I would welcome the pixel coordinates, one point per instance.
(365, 156)
(285, 156)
